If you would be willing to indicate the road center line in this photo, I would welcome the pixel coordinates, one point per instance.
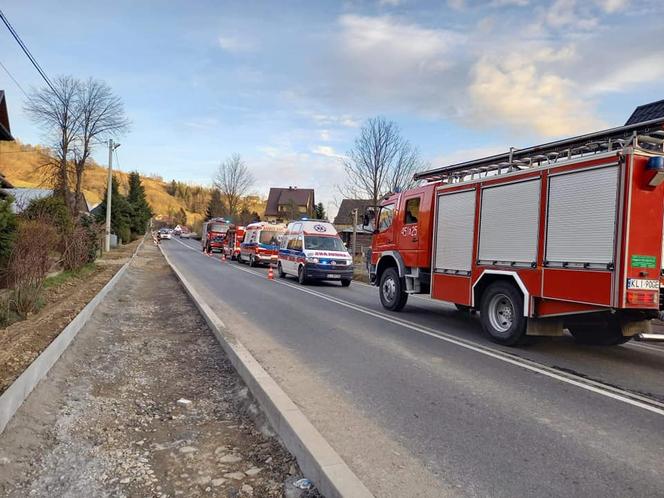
(586, 384)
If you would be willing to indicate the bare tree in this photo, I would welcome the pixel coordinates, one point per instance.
(380, 161)
(100, 116)
(56, 111)
(233, 179)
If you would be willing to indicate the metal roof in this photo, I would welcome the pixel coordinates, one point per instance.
(647, 112)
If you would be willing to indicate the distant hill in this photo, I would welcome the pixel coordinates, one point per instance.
(21, 166)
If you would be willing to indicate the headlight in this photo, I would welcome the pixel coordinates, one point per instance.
(312, 260)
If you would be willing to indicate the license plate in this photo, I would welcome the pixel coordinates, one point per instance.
(334, 276)
(642, 284)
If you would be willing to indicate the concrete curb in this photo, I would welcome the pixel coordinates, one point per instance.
(316, 457)
(12, 399)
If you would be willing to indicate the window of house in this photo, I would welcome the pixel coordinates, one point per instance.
(412, 210)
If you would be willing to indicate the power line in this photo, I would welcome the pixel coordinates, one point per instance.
(14, 80)
(27, 52)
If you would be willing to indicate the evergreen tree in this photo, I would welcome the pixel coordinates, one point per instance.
(141, 211)
(216, 207)
(121, 212)
(319, 212)
(172, 188)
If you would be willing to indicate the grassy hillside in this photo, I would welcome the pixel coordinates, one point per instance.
(21, 163)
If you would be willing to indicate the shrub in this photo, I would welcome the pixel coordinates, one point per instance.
(81, 244)
(51, 210)
(29, 263)
(8, 225)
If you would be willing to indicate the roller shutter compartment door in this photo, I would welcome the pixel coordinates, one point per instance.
(454, 231)
(581, 221)
(509, 223)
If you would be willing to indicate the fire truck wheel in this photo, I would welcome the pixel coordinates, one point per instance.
(392, 290)
(280, 270)
(301, 276)
(502, 314)
(600, 333)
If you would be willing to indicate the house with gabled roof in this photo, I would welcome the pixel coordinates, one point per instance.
(288, 203)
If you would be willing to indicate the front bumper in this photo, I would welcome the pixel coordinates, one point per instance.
(266, 258)
(316, 272)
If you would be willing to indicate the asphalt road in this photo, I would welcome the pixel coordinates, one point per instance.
(419, 403)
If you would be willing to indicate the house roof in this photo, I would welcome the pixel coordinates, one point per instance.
(646, 112)
(5, 132)
(23, 197)
(345, 213)
(280, 196)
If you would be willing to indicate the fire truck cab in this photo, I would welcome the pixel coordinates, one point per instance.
(213, 234)
(564, 235)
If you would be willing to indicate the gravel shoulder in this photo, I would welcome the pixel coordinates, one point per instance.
(144, 403)
(23, 341)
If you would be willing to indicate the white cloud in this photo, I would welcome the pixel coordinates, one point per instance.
(324, 135)
(326, 150)
(390, 3)
(508, 3)
(456, 4)
(235, 44)
(611, 6)
(526, 97)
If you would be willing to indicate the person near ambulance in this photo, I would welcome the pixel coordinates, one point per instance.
(313, 250)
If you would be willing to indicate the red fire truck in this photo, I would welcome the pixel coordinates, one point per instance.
(234, 237)
(564, 235)
(213, 234)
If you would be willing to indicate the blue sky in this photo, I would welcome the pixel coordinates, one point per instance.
(287, 83)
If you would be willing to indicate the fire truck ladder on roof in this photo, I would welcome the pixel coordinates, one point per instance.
(648, 135)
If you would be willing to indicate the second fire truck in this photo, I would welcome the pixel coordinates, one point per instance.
(564, 235)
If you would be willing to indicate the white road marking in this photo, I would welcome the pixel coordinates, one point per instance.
(586, 384)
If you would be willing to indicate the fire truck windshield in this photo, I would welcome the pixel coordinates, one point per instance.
(319, 243)
(217, 227)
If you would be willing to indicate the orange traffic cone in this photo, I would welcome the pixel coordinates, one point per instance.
(270, 273)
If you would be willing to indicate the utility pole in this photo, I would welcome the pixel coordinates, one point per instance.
(354, 233)
(109, 192)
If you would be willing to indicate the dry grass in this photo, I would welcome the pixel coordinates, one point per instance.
(21, 166)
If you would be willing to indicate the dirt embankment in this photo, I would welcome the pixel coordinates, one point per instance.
(144, 403)
(23, 341)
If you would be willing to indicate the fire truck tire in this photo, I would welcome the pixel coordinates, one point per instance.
(602, 333)
(392, 290)
(280, 270)
(501, 314)
(301, 278)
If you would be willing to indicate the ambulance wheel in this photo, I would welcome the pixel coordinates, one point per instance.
(392, 290)
(502, 314)
(280, 270)
(252, 261)
(301, 278)
(604, 332)
(345, 282)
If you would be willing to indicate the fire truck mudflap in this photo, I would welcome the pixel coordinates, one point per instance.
(566, 235)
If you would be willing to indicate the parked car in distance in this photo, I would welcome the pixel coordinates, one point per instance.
(164, 233)
(313, 250)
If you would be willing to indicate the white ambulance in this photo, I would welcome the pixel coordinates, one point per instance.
(313, 250)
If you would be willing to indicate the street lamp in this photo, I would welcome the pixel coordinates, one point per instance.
(111, 147)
